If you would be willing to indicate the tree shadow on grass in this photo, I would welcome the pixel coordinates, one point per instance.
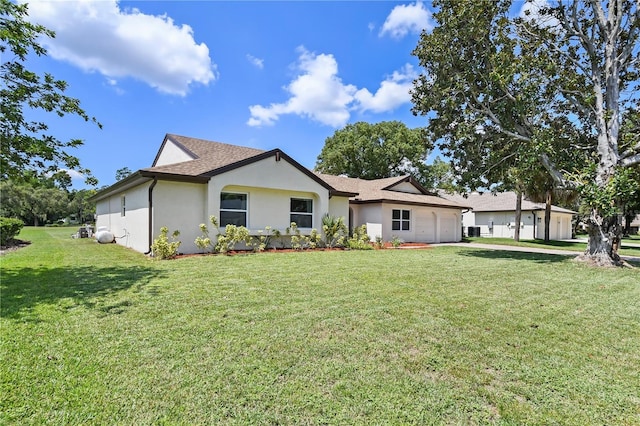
(517, 255)
(23, 289)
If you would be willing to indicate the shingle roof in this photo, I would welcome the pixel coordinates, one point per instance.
(208, 156)
(379, 190)
(501, 201)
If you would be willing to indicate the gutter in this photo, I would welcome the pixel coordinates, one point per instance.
(150, 220)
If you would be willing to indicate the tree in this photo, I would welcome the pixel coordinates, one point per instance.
(33, 204)
(122, 173)
(373, 151)
(503, 89)
(80, 206)
(27, 145)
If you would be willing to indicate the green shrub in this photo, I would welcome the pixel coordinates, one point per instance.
(233, 235)
(300, 241)
(162, 248)
(396, 241)
(334, 230)
(9, 228)
(360, 239)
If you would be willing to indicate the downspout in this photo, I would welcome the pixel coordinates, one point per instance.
(150, 219)
(535, 222)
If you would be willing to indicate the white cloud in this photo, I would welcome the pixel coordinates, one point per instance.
(317, 93)
(99, 36)
(405, 19)
(530, 11)
(393, 92)
(257, 62)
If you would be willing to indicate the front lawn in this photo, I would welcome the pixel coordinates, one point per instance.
(99, 334)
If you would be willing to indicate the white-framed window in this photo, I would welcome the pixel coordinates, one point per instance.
(400, 220)
(123, 205)
(302, 212)
(233, 209)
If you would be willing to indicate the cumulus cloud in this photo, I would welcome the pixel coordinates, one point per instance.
(318, 93)
(393, 92)
(100, 36)
(405, 19)
(257, 62)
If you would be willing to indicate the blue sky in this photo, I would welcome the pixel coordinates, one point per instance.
(261, 74)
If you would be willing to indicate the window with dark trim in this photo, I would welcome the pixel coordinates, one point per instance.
(233, 209)
(302, 212)
(123, 205)
(400, 220)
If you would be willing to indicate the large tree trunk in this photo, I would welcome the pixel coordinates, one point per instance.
(604, 240)
(516, 232)
(547, 217)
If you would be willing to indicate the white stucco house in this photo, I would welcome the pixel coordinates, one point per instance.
(191, 179)
(494, 215)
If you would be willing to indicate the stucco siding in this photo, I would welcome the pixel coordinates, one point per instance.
(180, 206)
(339, 207)
(269, 185)
(131, 228)
(406, 187)
(503, 224)
(560, 227)
(427, 224)
(171, 154)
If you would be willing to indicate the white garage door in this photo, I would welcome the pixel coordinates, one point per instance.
(447, 229)
(425, 223)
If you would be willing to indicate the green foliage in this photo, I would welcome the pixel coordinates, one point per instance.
(396, 241)
(35, 202)
(359, 240)
(265, 238)
(9, 228)
(300, 241)
(162, 248)
(379, 242)
(233, 236)
(373, 151)
(25, 144)
(334, 230)
(123, 173)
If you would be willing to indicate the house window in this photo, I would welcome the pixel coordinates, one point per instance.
(123, 206)
(400, 220)
(302, 212)
(233, 209)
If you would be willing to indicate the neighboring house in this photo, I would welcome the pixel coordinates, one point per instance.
(192, 179)
(494, 215)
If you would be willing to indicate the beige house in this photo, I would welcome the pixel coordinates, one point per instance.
(401, 207)
(494, 215)
(191, 179)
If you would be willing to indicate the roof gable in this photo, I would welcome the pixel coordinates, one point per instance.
(389, 190)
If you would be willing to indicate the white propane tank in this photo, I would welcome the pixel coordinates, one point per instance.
(104, 236)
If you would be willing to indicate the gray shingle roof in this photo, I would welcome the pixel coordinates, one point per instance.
(501, 201)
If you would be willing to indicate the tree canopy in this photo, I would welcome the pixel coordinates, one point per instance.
(549, 87)
(373, 151)
(25, 144)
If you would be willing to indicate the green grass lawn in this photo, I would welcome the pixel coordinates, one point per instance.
(556, 245)
(99, 334)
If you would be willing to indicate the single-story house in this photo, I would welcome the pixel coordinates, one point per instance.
(494, 215)
(192, 179)
(401, 207)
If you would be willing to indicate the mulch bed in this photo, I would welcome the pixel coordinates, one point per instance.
(13, 246)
